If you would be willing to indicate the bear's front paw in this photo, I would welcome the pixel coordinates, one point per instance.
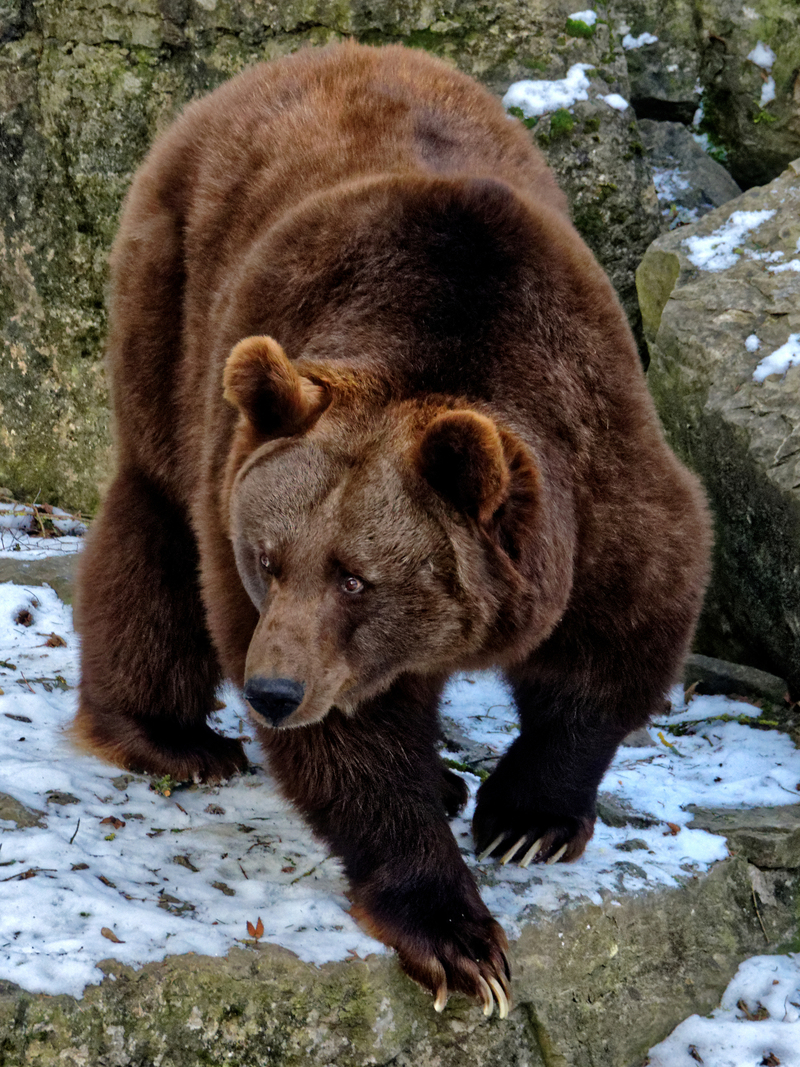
(532, 837)
(465, 953)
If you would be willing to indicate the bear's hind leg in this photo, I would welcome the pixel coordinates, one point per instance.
(149, 670)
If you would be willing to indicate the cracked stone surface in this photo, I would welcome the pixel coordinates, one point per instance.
(741, 435)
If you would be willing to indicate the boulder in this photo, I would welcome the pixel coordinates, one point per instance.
(84, 90)
(738, 62)
(721, 311)
(688, 182)
(600, 983)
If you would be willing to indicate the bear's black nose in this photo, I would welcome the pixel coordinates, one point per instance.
(274, 699)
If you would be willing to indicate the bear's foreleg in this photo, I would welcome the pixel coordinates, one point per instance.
(370, 785)
(539, 804)
(149, 671)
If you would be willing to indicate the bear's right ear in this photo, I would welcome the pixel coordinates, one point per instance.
(261, 382)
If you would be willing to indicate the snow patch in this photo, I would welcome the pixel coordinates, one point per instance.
(767, 92)
(781, 359)
(535, 98)
(762, 55)
(619, 103)
(716, 252)
(629, 42)
(669, 182)
(587, 17)
(793, 264)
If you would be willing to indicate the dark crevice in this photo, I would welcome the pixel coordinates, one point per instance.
(652, 107)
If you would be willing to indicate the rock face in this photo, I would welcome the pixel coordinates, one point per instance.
(739, 61)
(84, 89)
(689, 183)
(712, 311)
(584, 977)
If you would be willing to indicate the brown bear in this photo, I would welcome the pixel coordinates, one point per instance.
(379, 418)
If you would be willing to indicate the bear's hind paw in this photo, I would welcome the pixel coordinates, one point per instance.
(156, 748)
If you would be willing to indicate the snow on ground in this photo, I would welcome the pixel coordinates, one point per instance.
(756, 1025)
(116, 869)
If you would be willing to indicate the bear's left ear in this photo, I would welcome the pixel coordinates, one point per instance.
(263, 384)
(486, 472)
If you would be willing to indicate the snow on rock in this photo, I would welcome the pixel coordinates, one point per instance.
(762, 55)
(780, 360)
(619, 103)
(758, 1021)
(535, 98)
(629, 42)
(720, 250)
(587, 17)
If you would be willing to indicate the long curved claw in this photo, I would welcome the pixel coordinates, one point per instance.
(526, 859)
(557, 855)
(500, 996)
(488, 851)
(441, 998)
(488, 999)
(513, 850)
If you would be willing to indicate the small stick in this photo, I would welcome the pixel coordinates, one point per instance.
(758, 913)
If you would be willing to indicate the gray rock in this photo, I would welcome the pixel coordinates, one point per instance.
(12, 810)
(741, 435)
(594, 984)
(685, 176)
(702, 57)
(616, 812)
(711, 675)
(766, 837)
(56, 571)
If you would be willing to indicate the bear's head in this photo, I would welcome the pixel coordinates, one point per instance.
(375, 536)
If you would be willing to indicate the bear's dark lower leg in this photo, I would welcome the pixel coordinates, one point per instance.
(148, 667)
(370, 784)
(539, 804)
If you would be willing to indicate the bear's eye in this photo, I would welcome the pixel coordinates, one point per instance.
(266, 564)
(352, 585)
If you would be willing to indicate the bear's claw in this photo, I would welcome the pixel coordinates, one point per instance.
(540, 845)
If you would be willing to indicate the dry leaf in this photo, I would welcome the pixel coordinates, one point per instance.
(695, 1054)
(673, 830)
(54, 641)
(690, 693)
(256, 931)
(111, 936)
(23, 618)
(112, 820)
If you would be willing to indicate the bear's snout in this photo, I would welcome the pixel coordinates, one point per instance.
(274, 699)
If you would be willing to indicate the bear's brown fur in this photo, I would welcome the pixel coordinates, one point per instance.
(380, 418)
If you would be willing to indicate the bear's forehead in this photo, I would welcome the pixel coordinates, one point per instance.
(302, 485)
